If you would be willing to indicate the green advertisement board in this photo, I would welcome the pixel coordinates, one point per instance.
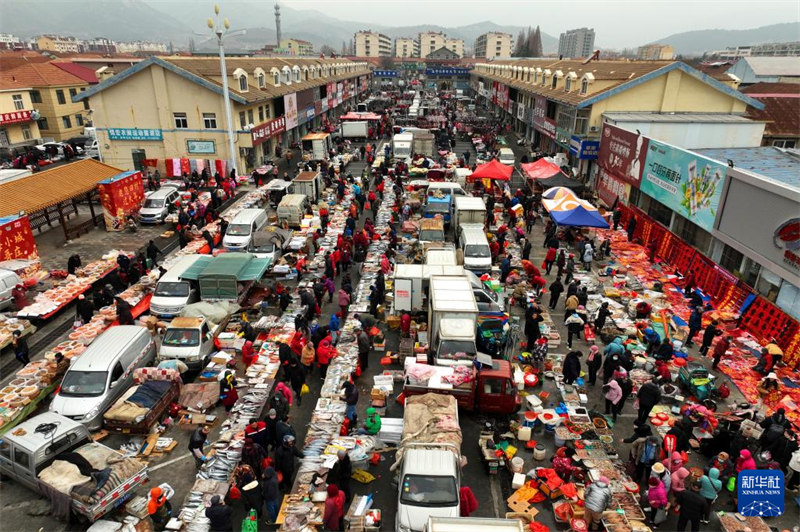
(686, 182)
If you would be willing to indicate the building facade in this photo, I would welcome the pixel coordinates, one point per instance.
(456, 46)
(406, 47)
(298, 47)
(494, 45)
(775, 49)
(431, 41)
(18, 126)
(576, 44)
(655, 52)
(51, 90)
(134, 47)
(100, 45)
(372, 44)
(166, 108)
(751, 70)
(57, 43)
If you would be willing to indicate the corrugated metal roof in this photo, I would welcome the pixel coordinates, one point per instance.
(45, 189)
(712, 118)
(774, 163)
(773, 66)
(781, 114)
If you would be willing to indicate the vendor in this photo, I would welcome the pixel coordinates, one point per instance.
(564, 463)
(651, 338)
(372, 425)
(664, 352)
(20, 296)
(643, 309)
(766, 363)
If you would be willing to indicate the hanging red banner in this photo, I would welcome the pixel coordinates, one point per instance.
(120, 196)
(16, 239)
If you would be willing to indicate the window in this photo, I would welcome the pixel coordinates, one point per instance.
(73, 93)
(554, 83)
(19, 105)
(22, 458)
(306, 73)
(210, 120)
(783, 143)
(60, 97)
(5, 450)
(117, 372)
(42, 124)
(36, 97)
(250, 119)
(276, 78)
(267, 112)
(584, 86)
(79, 120)
(581, 125)
(26, 133)
(567, 85)
(86, 103)
(181, 122)
(66, 122)
(536, 77)
(261, 81)
(286, 74)
(731, 260)
(242, 120)
(260, 114)
(242, 83)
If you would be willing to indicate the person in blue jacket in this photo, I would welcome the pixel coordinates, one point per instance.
(333, 327)
(695, 324)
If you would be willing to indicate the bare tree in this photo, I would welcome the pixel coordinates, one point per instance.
(386, 63)
(327, 51)
(536, 48)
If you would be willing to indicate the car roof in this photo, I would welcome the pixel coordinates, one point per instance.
(247, 215)
(115, 340)
(162, 192)
(33, 440)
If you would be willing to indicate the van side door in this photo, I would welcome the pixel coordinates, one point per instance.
(206, 341)
(24, 466)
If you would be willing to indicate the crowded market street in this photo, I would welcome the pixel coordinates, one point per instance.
(440, 320)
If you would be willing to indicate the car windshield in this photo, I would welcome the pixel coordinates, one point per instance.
(431, 235)
(238, 230)
(182, 337)
(153, 203)
(437, 208)
(176, 289)
(84, 383)
(477, 251)
(421, 490)
(456, 349)
(264, 248)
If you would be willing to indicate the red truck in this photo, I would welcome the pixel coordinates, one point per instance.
(491, 390)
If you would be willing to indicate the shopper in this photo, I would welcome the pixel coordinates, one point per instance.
(613, 395)
(597, 498)
(571, 368)
(468, 502)
(556, 288)
(363, 347)
(296, 375)
(645, 453)
(219, 515)
(649, 395)
(334, 508)
(710, 486)
(549, 259)
(711, 332)
(593, 363)
(657, 497)
(252, 495)
(271, 493)
(341, 472)
(284, 460)
(692, 508)
(720, 349)
(695, 324)
(21, 348)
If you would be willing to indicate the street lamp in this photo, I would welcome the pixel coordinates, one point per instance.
(221, 31)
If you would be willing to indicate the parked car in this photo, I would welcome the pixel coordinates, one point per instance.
(8, 280)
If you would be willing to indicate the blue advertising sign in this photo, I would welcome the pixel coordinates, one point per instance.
(760, 493)
(687, 183)
(446, 71)
(385, 73)
(133, 133)
(584, 149)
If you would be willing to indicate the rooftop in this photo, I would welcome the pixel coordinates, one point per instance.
(671, 118)
(773, 66)
(39, 75)
(781, 108)
(777, 164)
(765, 89)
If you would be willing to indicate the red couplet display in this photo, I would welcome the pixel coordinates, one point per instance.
(16, 239)
(120, 196)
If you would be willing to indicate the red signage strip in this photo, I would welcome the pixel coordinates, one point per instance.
(15, 117)
(263, 132)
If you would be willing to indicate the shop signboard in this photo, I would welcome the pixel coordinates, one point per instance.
(262, 132)
(133, 133)
(623, 153)
(339, 92)
(205, 147)
(305, 98)
(548, 128)
(385, 73)
(610, 188)
(520, 112)
(16, 117)
(318, 107)
(446, 71)
(583, 148)
(539, 112)
(687, 183)
(563, 136)
(16, 239)
(120, 196)
(310, 113)
(290, 110)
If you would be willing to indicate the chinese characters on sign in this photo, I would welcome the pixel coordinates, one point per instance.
(15, 117)
(446, 71)
(134, 133)
(201, 146)
(584, 149)
(262, 132)
(760, 493)
(609, 188)
(120, 196)
(386, 73)
(623, 153)
(16, 239)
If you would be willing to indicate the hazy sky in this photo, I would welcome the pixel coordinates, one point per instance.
(616, 23)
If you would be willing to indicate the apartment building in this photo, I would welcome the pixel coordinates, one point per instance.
(406, 47)
(655, 52)
(576, 44)
(431, 41)
(372, 44)
(57, 43)
(456, 46)
(18, 125)
(494, 44)
(298, 47)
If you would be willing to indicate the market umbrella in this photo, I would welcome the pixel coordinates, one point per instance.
(555, 193)
(541, 169)
(566, 209)
(492, 170)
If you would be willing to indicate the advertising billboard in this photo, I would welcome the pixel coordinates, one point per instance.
(290, 108)
(622, 153)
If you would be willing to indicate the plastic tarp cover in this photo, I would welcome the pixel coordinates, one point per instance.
(213, 312)
(492, 170)
(430, 418)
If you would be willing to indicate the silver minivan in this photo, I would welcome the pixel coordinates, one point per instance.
(158, 204)
(8, 280)
(240, 231)
(102, 374)
(475, 246)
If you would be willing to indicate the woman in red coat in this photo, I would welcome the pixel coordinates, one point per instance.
(468, 501)
(549, 259)
(334, 508)
(248, 353)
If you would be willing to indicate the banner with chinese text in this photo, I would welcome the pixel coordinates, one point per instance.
(120, 196)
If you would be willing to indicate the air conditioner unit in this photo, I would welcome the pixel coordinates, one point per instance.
(594, 129)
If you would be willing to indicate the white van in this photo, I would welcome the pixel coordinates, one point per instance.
(475, 246)
(447, 187)
(190, 340)
(241, 229)
(292, 209)
(173, 293)
(103, 373)
(506, 156)
(8, 280)
(158, 204)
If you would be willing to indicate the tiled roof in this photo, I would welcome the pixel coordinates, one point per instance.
(9, 60)
(49, 187)
(80, 71)
(781, 108)
(39, 75)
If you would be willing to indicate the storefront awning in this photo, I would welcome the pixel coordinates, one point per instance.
(44, 189)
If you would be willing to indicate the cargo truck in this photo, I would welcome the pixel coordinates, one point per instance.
(472, 524)
(491, 389)
(318, 145)
(431, 230)
(353, 129)
(470, 210)
(29, 456)
(309, 184)
(452, 321)
(411, 283)
(227, 277)
(429, 460)
(403, 146)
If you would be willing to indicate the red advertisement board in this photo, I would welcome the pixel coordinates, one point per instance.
(16, 239)
(120, 196)
(262, 132)
(609, 188)
(623, 153)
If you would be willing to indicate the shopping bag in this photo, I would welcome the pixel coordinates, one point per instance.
(77, 323)
(661, 516)
(250, 523)
(630, 467)
(304, 390)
